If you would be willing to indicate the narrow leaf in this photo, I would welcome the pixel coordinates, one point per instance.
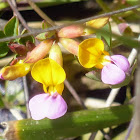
(106, 37)
(71, 125)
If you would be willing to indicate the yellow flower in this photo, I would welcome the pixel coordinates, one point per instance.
(50, 74)
(91, 53)
(18, 70)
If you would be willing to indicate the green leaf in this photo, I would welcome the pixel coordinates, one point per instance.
(1, 102)
(94, 75)
(45, 25)
(3, 49)
(70, 125)
(3, 46)
(23, 40)
(11, 28)
(107, 37)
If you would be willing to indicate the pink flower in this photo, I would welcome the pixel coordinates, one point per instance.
(115, 72)
(47, 106)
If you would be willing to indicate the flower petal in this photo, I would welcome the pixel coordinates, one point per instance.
(98, 23)
(111, 74)
(45, 105)
(89, 52)
(121, 62)
(15, 71)
(48, 72)
(1, 77)
(122, 27)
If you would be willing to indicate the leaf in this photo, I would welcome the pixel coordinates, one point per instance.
(11, 28)
(71, 125)
(45, 35)
(3, 49)
(94, 75)
(23, 40)
(3, 46)
(107, 37)
(1, 102)
(45, 25)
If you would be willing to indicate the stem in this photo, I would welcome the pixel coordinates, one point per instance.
(71, 125)
(76, 22)
(104, 6)
(74, 94)
(40, 12)
(18, 14)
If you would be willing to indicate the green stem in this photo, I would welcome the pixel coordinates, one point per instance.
(71, 125)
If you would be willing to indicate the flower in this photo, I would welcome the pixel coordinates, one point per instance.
(18, 70)
(91, 53)
(49, 104)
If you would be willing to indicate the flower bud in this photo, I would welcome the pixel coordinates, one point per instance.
(39, 52)
(30, 46)
(71, 31)
(98, 23)
(125, 29)
(56, 54)
(70, 45)
(18, 48)
(15, 71)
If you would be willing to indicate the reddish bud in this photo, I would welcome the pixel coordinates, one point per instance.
(30, 46)
(39, 52)
(125, 29)
(18, 48)
(70, 45)
(71, 31)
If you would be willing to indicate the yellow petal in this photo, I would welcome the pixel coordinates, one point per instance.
(52, 89)
(48, 72)
(18, 70)
(89, 52)
(97, 23)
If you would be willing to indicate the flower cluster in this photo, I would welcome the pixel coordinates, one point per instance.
(49, 71)
(92, 54)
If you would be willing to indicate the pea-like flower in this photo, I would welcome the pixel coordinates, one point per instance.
(91, 53)
(49, 104)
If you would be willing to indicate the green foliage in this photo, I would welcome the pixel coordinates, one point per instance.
(11, 28)
(71, 125)
(94, 75)
(3, 49)
(3, 46)
(1, 102)
(106, 37)
(23, 40)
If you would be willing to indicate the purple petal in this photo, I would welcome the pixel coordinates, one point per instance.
(1, 77)
(122, 27)
(111, 74)
(45, 105)
(121, 62)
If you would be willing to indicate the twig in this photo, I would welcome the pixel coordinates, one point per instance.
(26, 93)
(76, 22)
(26, 96)
(93, 135)
(16, 114)
(40, 12)
(74, 94)
(18, 14)
(137, 101)
(129, 130)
